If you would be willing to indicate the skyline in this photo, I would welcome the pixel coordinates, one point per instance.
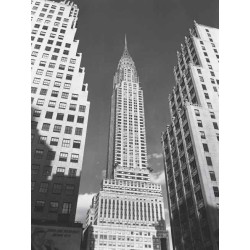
(154, 31)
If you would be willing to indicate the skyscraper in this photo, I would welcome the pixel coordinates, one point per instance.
(129, 210)
(59, 112)
(191, 143)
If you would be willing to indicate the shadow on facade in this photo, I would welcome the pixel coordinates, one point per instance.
(162, 238)
(192, 232)
(48, 213)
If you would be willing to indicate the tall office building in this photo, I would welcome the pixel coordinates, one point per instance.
(129, 210)
(59, 112)
(191, 143)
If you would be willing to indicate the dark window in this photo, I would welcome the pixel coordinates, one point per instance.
(215, 125)
(60, 116)
(68, 130)
(216, 191)
(49, 115)
(76, 144)
(53, 207)
(199, 195)
(33, 124)
(38, 154)
(74, 158)
(37, 113)
(80, 119)
(42, 139)
(74, 97)
(204, 87)
(70, 118)
(70, 189)
(209, 161)
(203, 136)
(44, 187)
(72, 172)
(72, 107)
(82, 108)
(46, 126)
(78, 131)
(205, 147)
(212, 176)
(199, 123)
(212, 115)
(39, 206)
(206, 95)
(57, 188)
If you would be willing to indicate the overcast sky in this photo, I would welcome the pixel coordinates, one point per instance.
(155, 29)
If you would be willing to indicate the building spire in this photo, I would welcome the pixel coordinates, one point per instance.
(125, 48)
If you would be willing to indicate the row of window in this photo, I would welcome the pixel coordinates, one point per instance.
(47, 170)
(63, 156)
(49, 73)
(55, 140)
(54, 93)
(59, 116)
(53, 207)
(57, 128)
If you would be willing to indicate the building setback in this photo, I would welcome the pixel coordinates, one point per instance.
(129, 209)
(59, 112)
(191, 143)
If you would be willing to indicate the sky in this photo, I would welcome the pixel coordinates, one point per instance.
(154, 29)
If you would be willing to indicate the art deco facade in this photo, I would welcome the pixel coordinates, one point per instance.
(59, 111)
(129, 210)
(191, 143)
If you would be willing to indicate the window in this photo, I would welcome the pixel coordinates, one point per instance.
(199, 71)
(62, 105)
(199, 123)
(212, 176)
(70, 189)
(57, 188)
(60, 171)
(65, 95)
(205, 147)
(69, 77)
(72, 172)
(52, 104)
(54, 93)
(46, 126)
(56, 50)
(47, 48)
(204, 87)
(70, 118)
(39, 206)
(35, 169)
(203, 136)
(197, 112)
(64, 59)
(72, 61)
(66, 208)
(46, 82)
(207, 60)
(66, 85)
(61, 66)
(42, 139)
(80, 119)
(47, 170)
(59, 75)
(57, 128)
(76, 144)
(53, 207)
(40, 102)
(78, 131)
(49, 115)
(74, 158)
(63, 156)
(216, 191)
(74, 97)
(54, 57)
(72, 107)
(37, 113)
(36, 80)
(212, 73)
(51, 155)
(199, 195)
(71, 68)
(206, 95)
(209, 161)
(201, 78)
(82, 108)
(59, 116)
(57, 84)
(67, 45)
(215, 89)
(212, 115)
(209, 105)
(215, 125)
(66, 143)
(65, 52)
(44, 187)
(43, 92)
(217, 135)
(33, 90)
(54, 141)
(38, 154)
(68, 130)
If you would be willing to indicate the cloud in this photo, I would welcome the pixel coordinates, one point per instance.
(155, 156)
(83, 204)
(158, 177)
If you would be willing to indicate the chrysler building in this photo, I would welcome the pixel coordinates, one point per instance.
(128, 211)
